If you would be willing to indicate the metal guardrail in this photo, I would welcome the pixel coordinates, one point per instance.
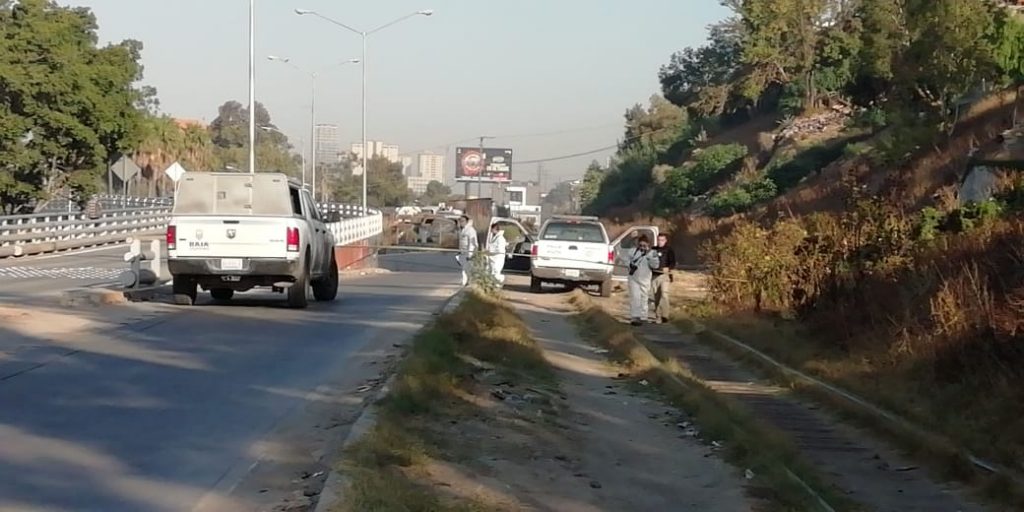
(22, 235)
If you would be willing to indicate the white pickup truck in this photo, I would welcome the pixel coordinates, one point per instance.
(231, 232)
(576, 250)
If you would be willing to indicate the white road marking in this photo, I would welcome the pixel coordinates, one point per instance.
(74, 253)
(82, 273)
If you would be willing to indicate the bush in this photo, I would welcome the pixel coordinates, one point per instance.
(683, 184)
(711, 162)
(674, 194)
(740, 199)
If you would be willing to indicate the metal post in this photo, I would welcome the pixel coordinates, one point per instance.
(366, 169)
(252, 86)
(312, 132)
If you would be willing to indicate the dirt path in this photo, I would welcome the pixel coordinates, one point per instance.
(626, 451)
(871, 472)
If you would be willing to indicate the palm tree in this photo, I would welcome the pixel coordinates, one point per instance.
(162, 144)
(198, 148)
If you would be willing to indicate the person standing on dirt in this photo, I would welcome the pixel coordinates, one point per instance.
(468, 245)
(496, 247)
(662, 278)
(642, 263)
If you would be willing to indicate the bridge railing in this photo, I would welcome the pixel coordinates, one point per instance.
(22, 235)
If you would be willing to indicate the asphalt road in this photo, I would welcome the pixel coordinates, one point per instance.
(175, 411)
(49, 274)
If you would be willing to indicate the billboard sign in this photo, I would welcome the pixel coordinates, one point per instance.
(493, 166)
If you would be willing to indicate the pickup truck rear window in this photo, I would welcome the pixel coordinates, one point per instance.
(572, 232)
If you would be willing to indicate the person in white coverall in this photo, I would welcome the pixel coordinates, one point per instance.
(642, 262)
(468, 245)
(496, 247)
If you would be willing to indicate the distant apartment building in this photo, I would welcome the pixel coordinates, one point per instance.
(431, 167)
(417, 184)
(377, 148)
(328, 144)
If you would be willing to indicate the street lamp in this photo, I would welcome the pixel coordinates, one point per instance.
(252, 86)
(364, 34)
(302, 153)
(312, 107)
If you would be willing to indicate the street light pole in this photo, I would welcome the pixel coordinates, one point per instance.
(363, 34)
(312, 109)
(252, 86)
(366, 169)
(312, 131)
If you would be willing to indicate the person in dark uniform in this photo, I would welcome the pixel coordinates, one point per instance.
(660, 288)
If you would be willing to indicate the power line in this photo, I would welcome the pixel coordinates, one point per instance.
(518, 136)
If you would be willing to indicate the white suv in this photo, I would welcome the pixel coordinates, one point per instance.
(575, 250)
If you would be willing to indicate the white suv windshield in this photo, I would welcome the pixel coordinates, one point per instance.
(574, 232)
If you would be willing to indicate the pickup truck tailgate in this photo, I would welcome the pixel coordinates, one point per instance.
(581, 255)
(231, 237)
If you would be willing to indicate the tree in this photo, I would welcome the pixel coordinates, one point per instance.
(780, 39)
(436, 193)
(700, 79)
(76, 99)
(562, 198)
(385, 185)
(656, 127)
(951, 50)
(229, 133)
(591, 184)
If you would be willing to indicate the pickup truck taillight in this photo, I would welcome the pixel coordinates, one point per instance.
(611, 256)
(533, 250)
(292, 239)
(172, 237)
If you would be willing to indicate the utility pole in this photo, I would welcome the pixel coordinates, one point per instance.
(483, 167)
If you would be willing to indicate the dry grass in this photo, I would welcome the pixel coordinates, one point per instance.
(749, 443)
(987, 419)
(387, 468)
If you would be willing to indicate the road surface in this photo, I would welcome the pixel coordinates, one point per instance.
(176, 412)
(51, 273)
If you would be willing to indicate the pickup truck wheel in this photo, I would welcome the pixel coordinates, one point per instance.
(325, 289)
(184, 292)
(536, 285)
(297, 298)
(605, 287)
(222, 293)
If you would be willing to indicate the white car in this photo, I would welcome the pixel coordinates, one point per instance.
(576, 250)
(231, 232)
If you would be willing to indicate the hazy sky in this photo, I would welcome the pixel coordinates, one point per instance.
(476, 67)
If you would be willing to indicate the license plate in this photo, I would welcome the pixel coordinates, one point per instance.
(231, 279)
(231, 264)
(572, 273)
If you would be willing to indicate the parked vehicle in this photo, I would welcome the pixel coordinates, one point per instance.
(232, 232)
(576, 250)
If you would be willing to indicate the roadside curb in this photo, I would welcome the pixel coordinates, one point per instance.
(334, 487)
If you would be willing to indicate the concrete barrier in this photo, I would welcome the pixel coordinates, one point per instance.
(8, 251)
(357, 255)
(37, 248)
